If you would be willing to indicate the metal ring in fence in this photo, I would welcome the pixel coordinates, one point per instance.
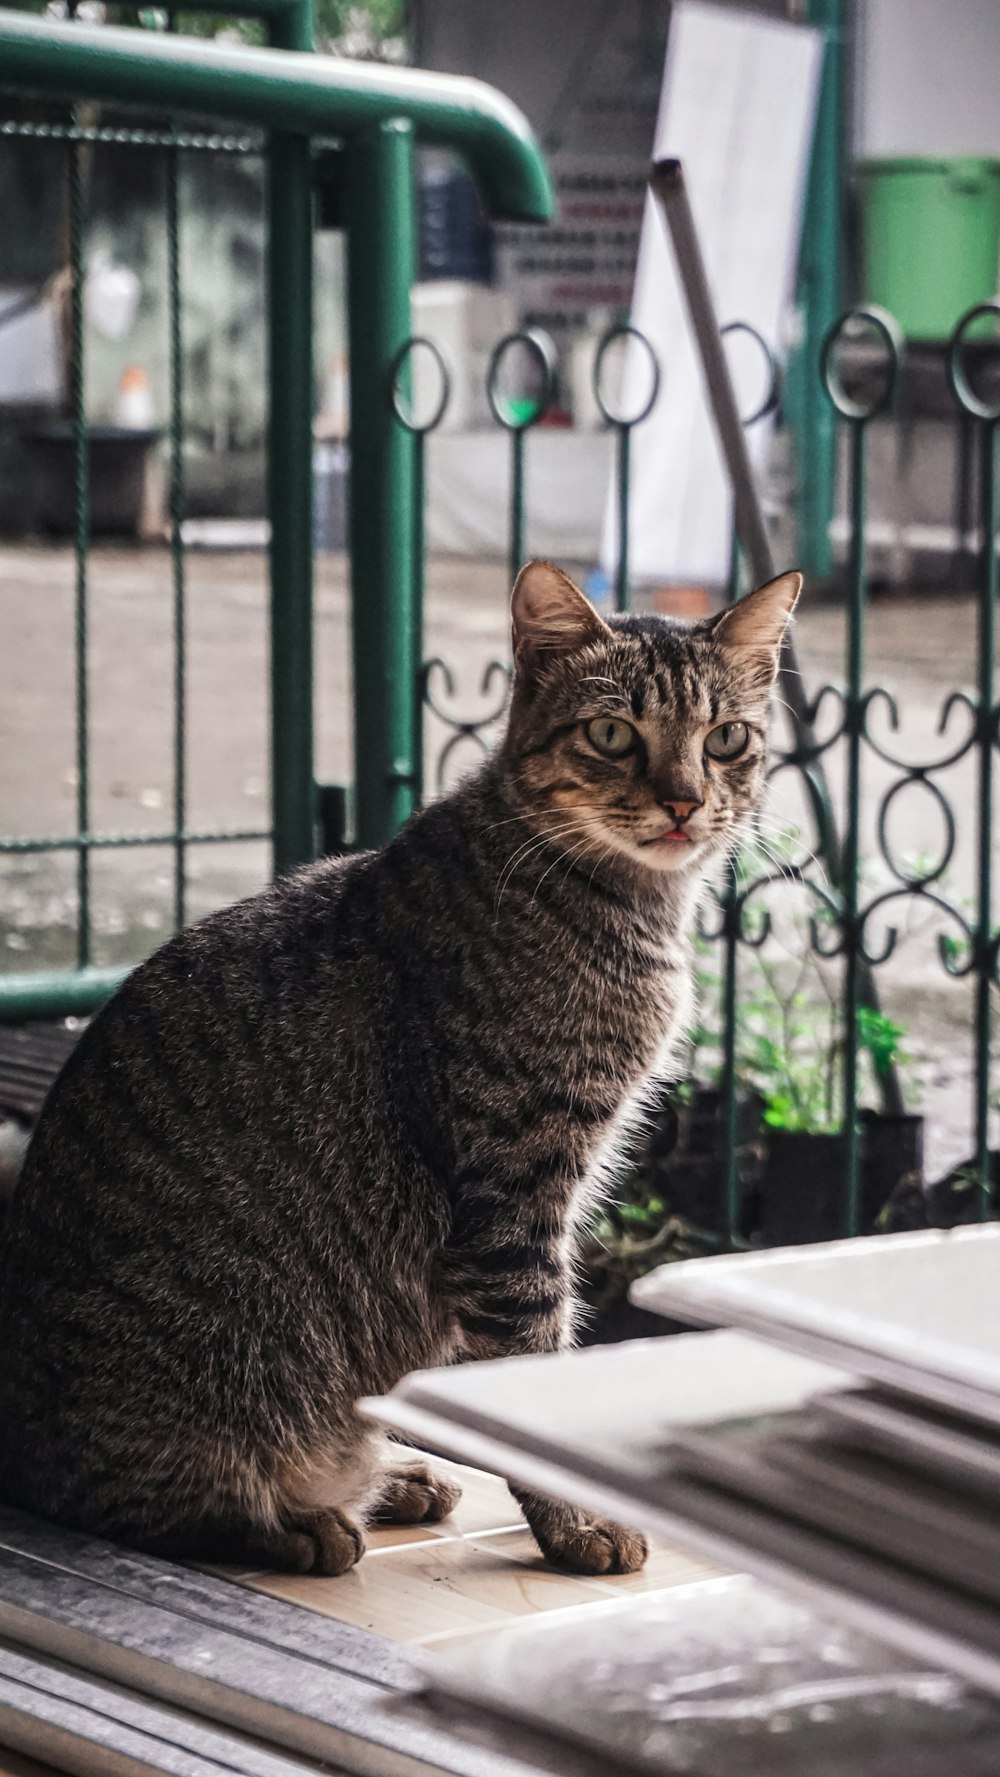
(611, 338)
(404, 361)
(916, 879)
(854, 321)
(540, 348)
(772, 393)
(965, 394)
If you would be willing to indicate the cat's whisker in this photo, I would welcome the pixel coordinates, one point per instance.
(785, 705)
(606, 853)
(608, 683)
(804, 857)
(572, 852)
(523, 852)
(549, 837)
(785, 870)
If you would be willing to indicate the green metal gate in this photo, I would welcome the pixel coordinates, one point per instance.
(323, 121)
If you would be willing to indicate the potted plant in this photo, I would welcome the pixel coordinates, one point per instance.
(626, 1239)
(689, 1171)
(802, 1186)
(685, 1152)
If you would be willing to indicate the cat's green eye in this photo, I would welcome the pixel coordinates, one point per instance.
(727, 741)
(611, 736)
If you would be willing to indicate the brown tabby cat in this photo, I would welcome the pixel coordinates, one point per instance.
(349, 1128)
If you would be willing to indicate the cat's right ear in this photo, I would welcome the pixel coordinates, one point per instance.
(549, 615)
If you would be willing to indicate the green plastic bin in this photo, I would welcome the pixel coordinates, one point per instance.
(931, 236)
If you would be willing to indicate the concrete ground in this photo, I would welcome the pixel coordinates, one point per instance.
(920, 650)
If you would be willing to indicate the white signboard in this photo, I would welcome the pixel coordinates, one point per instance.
(29, 352)
(586, 259)
(737, 109)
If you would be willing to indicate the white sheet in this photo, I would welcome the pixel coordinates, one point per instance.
(737, 108)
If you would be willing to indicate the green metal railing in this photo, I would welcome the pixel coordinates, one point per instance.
(358, 126)
(845, 925)
(366, 120)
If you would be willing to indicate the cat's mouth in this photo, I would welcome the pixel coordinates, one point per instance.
(673, 836)
(670, 849)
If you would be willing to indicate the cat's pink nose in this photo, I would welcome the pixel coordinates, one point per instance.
(680, 810)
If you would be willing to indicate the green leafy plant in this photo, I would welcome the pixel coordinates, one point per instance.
(799, 1084)
(789, 1035)
(878, 1038)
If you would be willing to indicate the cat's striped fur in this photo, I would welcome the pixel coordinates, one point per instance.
(348, 1128)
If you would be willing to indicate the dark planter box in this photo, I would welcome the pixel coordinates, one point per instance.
(118, 458)
(801, 1196)
(687, 1154)
(794, 1196)
(682, 1161)
(892, 1150)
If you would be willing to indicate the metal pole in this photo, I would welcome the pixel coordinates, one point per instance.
(277, 89)
(417, 613)
(81, 465)
(669, 189)
(986, 738)
(379, 193)
(854, 712)
(516, 555)
(290, 203)
(667, 183)
(819, 296)
(624, 471)
(177, 508)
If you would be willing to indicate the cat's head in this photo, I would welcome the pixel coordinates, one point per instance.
(640, 740)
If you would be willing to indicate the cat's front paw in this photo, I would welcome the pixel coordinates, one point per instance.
(334, 1541)
(579, 1542)
(414, 1494)
(596, 1545)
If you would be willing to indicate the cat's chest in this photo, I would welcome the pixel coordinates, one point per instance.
(620, 1021)
(597, 1056)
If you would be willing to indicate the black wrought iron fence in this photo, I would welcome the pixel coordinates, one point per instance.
(802, 1149)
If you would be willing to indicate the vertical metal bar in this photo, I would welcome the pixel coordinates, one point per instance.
(290, 208)
(516, 561)
(379, 189)
(854, 727)
(731, 918)
(417, 615)
(81, 452)
(812, 421)
(624, 454)
(986, 742)
(670, 190)
(177, 506)
(730, 1108)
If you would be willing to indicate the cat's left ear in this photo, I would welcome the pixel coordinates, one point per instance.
(758, 622)
(549, 615)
